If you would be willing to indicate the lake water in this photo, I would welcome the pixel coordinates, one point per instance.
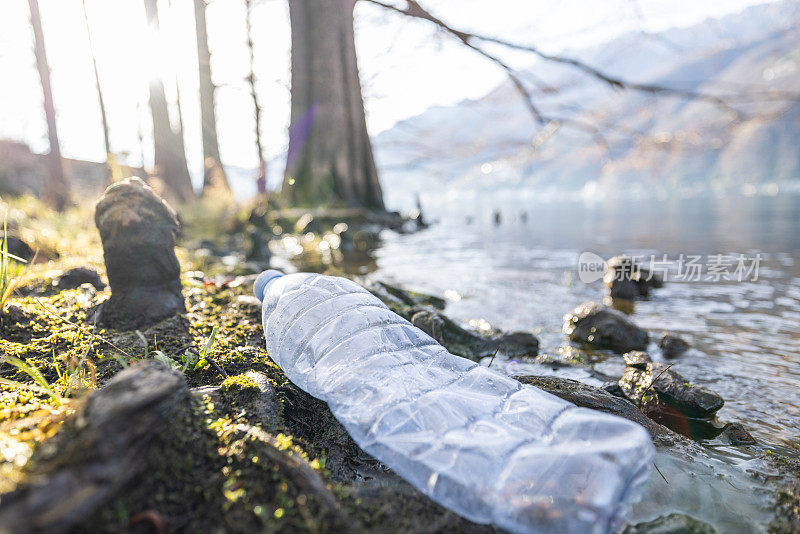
(745, 336)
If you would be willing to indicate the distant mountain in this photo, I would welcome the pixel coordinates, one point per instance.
(655, 142)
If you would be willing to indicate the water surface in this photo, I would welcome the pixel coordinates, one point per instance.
(745, 336)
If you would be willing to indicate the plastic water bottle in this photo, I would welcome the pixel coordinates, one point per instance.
(476, 441)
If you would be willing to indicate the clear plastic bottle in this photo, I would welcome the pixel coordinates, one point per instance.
(474, 440)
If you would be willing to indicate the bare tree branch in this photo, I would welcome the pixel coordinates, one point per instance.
(550, 123)
(414, 9)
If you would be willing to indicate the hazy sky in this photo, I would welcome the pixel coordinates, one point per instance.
(406, 65)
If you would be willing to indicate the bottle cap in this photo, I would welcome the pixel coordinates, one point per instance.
(263, 280)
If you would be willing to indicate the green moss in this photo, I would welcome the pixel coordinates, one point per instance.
(239, 384)
(221, 466)
(238, 389)
(217, 474)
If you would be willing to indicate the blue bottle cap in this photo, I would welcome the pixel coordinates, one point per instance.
(263, 280)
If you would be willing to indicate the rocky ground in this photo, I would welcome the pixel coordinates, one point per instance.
(185, 424)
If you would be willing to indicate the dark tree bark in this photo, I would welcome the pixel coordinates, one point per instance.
(57, 186)
(261, 177)
(334, 161)
(213, 172)
(100, 100)
(170, 157)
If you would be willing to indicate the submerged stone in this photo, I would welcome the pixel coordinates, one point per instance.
(651, 382)
(737, 434)
(138, 230)
(469, 344)
(627, 280)
(387, 292)
(424, 312)
(637, 358)
(456, 339)
(672, 345)
(600, 399)
(603, 328)
(517, 344)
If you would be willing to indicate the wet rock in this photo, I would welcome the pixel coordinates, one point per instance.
(423, 311)
(655, 383)
(518, 344)
(696, 428)
(466, 343)
(598, 399)
(390, 294)
(627, 280)
(737, 434)
(624, 289)
(456, 339)
(603, 328)
(672, 524)
(672, 345)
(74, 278)
(637, 359)
(138, 232)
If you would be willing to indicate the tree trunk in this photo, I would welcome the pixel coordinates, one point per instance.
(100, 100)
(170, 158)
(332, 159)
(57, 186)
(213, 172)
(261, 177)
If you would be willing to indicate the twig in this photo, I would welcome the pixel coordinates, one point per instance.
(495, 354)
(652, 383)
(660, 473)
(216, 366)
